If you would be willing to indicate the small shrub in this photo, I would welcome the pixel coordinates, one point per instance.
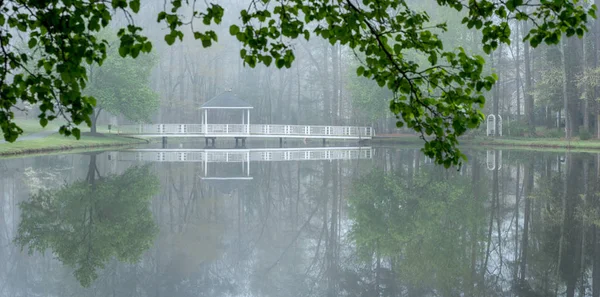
(585, 134)
(516, 129)
(472, 133)
(555, 133)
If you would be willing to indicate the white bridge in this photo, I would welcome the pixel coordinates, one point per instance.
(246, 131)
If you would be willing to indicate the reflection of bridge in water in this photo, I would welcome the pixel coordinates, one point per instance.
(242, 156)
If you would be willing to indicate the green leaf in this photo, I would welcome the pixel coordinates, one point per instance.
(267, 60)
(280, 63)
(170, 39)
(234, 30)
(135, 5)
(147, 47)
(123, 51)
(32, 42)
(360, 70)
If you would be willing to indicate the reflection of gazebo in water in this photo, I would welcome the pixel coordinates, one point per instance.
(227, 177)
(226, 101)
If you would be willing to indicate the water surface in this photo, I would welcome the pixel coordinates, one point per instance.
(508, 223)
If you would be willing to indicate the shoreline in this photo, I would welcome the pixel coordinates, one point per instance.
(514, 143)
(59, 144)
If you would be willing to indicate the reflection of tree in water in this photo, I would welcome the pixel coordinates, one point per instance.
(87, 223)
(530, 229)
(423, 230)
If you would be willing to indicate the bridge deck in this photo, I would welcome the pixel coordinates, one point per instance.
(246, 131)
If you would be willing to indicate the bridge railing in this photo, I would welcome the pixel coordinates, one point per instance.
(240, 129)
(226, 129)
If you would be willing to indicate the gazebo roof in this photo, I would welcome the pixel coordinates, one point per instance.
(226, 100)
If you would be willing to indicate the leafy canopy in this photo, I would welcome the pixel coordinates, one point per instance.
(440, 100)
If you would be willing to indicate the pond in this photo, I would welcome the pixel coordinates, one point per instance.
(383, 223)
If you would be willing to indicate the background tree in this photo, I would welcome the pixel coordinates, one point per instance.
(121, 86)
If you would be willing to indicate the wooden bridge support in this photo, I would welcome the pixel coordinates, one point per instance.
(242, 140)
(364, 141)
(212, 141)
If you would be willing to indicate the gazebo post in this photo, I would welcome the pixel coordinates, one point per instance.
(206, 121)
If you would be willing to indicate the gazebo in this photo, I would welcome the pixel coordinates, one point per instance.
(227, 101)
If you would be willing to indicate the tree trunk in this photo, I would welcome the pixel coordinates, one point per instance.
(495, 92)
(588, 89)
(326, 83)
(336, 85)
(573, 70)
(595, 65)
(568, 128)
(529, 108)
(518, 72)
(95, 116)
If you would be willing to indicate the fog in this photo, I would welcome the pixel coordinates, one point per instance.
(322, 87)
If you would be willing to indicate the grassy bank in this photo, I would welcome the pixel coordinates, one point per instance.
(396, 139)
(32, 125)
(56, 142)
(537, 143)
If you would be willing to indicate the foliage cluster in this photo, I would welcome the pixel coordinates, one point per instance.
(584, 134)
(516, 129)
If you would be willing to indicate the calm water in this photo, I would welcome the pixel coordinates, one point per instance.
(509, 223)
